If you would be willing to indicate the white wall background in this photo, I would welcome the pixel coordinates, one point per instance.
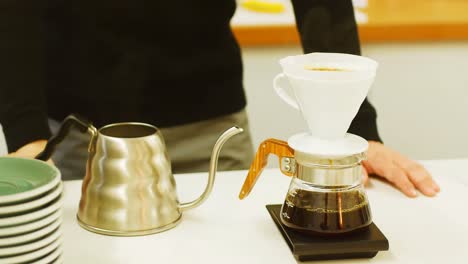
(421, 96)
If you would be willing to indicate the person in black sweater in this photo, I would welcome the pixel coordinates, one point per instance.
(174, 65)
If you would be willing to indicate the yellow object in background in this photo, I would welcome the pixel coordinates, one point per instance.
(263, 6)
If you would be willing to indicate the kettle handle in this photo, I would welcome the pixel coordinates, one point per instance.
(270, 146)
(83, 125)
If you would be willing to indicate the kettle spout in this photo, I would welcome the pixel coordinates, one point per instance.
(217, 148)
(213, 166)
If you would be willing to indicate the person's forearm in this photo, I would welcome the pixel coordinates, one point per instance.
(22, 66)
(329, 26)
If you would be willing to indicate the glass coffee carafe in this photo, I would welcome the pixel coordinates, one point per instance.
(325, 196)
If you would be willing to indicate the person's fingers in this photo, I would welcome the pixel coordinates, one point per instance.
(418, 175)
(398, 177)
(421, 178)
(384, 166)
(21, 155)
(406, 174)
(18, 155)
(30, 150)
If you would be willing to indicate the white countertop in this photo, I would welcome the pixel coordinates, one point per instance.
(227, 230)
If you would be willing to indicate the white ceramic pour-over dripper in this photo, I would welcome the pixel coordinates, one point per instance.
(328, 100)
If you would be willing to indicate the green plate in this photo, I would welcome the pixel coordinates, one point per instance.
(22, 179)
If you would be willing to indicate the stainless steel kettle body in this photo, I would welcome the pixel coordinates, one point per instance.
(129, 188)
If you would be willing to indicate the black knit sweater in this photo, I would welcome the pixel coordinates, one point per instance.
(161, 62)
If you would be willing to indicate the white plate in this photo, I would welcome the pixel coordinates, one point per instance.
(21, 229)
(52, 257)
(28, 217)
(17, 240)
(32, 204)
(9, 251)
(32, 255)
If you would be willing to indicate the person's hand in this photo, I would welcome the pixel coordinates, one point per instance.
(407, 175)
(30, 150)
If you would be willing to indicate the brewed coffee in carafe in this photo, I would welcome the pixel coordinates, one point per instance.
(337, 205)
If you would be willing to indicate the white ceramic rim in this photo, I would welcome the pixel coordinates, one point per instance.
(54, 256)
(34, 255)
(25, 218)
(18, 208)
(17, 197)
(21, 229)
(371, 67)
(22, 239)
(31, 246)
(349, 145)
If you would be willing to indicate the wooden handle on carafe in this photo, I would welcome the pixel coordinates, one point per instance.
(270, 146)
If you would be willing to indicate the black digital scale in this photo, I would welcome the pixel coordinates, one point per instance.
(364, 244)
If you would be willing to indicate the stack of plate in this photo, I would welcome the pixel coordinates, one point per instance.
(30, 212)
